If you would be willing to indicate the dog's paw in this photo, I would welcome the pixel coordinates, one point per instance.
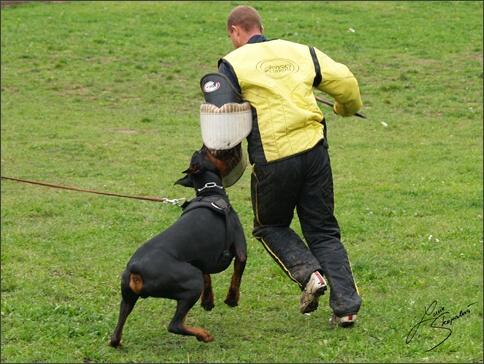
(231, 301)
(232, 297)
(205, 337)
(207, 305)
(115, 343)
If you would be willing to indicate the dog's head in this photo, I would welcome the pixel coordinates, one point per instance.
(202, 161)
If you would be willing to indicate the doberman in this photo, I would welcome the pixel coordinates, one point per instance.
(177, 263)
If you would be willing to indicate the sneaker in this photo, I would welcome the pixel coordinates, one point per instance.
(344, 321)
(315, 288)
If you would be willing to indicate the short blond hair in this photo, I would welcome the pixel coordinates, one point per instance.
(245, 17)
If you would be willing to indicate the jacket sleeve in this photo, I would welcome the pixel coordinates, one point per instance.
(226, 68)
(338, 82)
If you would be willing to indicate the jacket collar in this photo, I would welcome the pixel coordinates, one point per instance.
(257, 39)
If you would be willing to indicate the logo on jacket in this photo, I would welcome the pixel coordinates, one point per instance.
(211, 86)
(277, 68)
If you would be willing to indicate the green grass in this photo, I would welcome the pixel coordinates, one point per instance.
(105, 96)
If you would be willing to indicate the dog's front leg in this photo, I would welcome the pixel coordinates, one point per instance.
(207, 293)
(232, 298)
(240, 250)
(125, 309)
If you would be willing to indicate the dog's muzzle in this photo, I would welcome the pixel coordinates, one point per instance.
(236, 161)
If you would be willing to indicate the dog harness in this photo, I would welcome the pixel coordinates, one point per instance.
(216, 203)
(223, 207)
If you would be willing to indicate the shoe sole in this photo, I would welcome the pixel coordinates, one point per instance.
(313, 305)
(345, 324)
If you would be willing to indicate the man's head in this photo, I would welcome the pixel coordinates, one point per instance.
(242, 23)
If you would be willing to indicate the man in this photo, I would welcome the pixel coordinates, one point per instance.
(288, 151)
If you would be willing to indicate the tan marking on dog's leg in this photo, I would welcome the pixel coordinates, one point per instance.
(207, 300)
(199, 333)
(233, 295)
(121, 342)
(136, 283)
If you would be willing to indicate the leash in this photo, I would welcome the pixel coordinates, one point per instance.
(329, 103)
(164, 200)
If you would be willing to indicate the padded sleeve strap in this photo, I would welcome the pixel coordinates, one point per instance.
(317, 68)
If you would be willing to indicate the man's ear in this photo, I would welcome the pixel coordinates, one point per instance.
(234, 28)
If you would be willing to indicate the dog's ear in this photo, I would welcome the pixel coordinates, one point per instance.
(193, 169)
(185, 181)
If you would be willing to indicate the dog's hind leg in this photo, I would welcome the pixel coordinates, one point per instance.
(207, 301)
(177, 325)
(192, 282)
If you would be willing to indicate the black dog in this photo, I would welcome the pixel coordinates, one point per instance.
(177, 263)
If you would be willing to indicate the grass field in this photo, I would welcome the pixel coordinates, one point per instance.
(105, 96)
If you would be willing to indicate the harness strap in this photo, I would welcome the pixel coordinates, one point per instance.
(217, 204)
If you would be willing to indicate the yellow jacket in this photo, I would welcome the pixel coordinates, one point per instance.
(279, 88)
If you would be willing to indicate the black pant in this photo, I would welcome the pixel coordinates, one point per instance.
(303, 182)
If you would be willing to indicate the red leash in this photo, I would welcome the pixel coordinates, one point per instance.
(165, 200)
